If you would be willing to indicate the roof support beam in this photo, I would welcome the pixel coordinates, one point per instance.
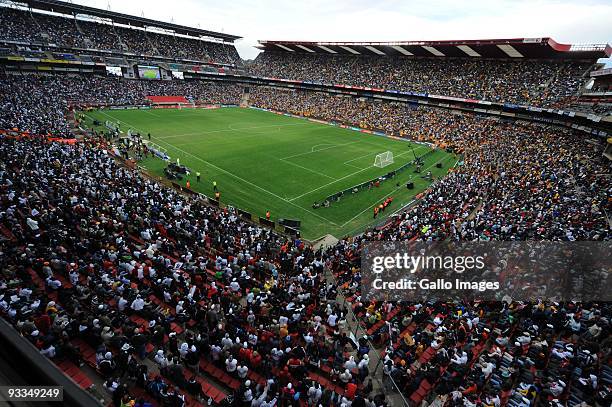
(468, 50)
(510, 50)
(304, 48)
(432, 50)
(285, 48)
(351, 50)
(324, 48)
(401, 50)
(375, 50)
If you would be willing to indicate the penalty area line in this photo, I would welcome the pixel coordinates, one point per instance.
(305, 168)
(340, 179)
(238, 178)
(322, 149)
(371, 206)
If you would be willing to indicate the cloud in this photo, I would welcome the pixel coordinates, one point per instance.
(384, 20)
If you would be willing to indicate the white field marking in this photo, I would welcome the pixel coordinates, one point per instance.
(333, 182)
(236, 176)
(229, 140)
(178, 135)
(369, 207)
(346, 162)
(322, 149)
(357, 158)
(226, 141)
(351, 165)
(230, 128)
(340, 179)
(305, 168)
(333, 146)
(313, 149)
(272, 128)
(253, 185)
(401, 154)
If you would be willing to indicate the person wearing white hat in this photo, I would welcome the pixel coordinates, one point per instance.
(137, 304)
(242, 371)
(247, 395)
(231, 364)
(215, 352)
(345, 376)
(350, 364)
(234, 285)
(161, 360)
(314, 393)
(107, 365)
(184, 349)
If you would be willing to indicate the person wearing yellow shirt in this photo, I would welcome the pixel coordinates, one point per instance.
(408, 340)
(370, 308)
(283, 331)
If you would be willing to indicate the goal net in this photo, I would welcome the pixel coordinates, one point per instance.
(383, 159)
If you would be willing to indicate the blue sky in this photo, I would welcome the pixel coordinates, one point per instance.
(383, 20)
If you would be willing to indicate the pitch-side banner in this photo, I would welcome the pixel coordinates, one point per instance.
(520, 271)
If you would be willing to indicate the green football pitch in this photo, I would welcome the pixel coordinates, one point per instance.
(265, 161)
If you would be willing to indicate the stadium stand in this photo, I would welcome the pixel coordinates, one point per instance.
(66, 31)
(399, 119)
(38, 103)
(597, 99)
(165, 300)
(536, 72)
(104, 302)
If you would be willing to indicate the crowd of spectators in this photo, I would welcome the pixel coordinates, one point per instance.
(513, 183)
(163, 276)
(20, 25)
(600, 109)
(534, 82)
(174, 301)
(17, 26)
(398, 119)
(97, 35)
(388, 117)
(38, 103)
(192, 49)
(529, 82)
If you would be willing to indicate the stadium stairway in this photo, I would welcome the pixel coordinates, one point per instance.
(244, 100)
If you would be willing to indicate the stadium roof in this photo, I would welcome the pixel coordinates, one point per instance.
(542, 48)
(120, 18)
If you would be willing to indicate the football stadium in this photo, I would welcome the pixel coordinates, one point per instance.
(327, 174)
(331, 223)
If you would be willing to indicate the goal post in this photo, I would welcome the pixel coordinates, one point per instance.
(383, 159)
